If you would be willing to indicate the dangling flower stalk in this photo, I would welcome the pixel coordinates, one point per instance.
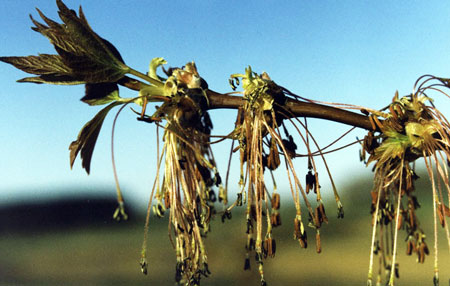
(435, 201)
(261, 117)
(144, 262)
(442, 210)
(374, 230)
(311, 159)
(189, 173)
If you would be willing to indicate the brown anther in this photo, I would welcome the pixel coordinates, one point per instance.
(273, 161)
(276, 201)
(310, 182)
(316, 182)
(320, 216)
(275, 218)
(323, 216)
(445, 210)
(300, 233)
(370, 143)
(318, 244)
(422, 251)
(375, 122)
(303, 242)
(167, 200)
(399, 111)
(297, 228)
(290, 147)
(261, 194)
(250, 245)
(269, 247)
(409, 248)
(392, 111)
(374, 196)
(317, 220)
(374, 126)
(440, 212)
(362, 156)
(420, 257)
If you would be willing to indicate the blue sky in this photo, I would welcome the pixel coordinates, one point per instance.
(357, 52)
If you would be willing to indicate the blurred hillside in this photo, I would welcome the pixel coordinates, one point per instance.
(77, 243)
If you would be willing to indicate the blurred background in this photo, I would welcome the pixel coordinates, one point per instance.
(75, 242)
(56, 224)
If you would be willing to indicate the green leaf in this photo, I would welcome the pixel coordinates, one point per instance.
(103, 93)
(84, 55)
(50, 68)
(88, 137)
(100, 93)
(42, 64)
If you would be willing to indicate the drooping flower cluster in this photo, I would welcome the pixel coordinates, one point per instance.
(261, 142)
(410, 129)
(189, 174)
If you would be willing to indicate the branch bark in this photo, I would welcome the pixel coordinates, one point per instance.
(297, 108)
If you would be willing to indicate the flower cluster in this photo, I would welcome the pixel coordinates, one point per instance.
(186, 190)
(261, 144)
(408, 130)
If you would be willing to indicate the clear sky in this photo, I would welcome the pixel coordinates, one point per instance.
(357, 52)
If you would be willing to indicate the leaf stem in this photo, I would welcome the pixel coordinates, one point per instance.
(146, 77)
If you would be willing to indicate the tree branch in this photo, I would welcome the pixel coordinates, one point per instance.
(297, 108)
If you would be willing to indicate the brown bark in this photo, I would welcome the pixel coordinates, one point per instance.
(296, 108)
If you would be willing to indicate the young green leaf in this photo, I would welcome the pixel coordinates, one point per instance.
(88, 137)
(100, 93)
(88, 55)
(83, 56)
(50, 68)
